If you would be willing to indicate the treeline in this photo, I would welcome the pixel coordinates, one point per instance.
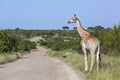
(13, 42)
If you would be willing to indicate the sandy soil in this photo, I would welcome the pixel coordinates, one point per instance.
(38, 66)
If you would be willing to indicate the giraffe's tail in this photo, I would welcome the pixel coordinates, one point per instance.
(99, 57)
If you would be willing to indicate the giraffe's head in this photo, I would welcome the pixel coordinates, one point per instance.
(73, 19)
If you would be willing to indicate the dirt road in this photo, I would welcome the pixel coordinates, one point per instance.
(38, 66)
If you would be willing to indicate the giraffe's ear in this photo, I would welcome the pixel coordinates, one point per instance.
(74, 15)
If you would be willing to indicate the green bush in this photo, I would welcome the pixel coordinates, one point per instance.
(110, 41)
(26, 45)
(60, 42)
(14, 42)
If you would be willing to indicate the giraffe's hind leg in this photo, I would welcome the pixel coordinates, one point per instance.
(98, 57)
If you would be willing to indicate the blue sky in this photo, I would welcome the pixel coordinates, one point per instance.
(54, 14)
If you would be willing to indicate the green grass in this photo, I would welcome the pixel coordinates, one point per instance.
(5, 58)
(109, 67)
(9, 57)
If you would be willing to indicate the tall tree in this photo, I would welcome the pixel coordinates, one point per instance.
(100, 28)
(75, 28)
(65, 27)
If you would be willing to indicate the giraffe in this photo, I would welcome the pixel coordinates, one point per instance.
(88, 42)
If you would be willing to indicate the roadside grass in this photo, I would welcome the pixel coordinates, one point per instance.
(109, 66)
(4, 58)
(10, 57)
(109, 69)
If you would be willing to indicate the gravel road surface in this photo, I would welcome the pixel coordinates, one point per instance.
(38, 66)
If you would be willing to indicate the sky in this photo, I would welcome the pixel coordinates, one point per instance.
(54, 14)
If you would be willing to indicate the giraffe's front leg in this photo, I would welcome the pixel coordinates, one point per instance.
(86, 62)
(85, 55)
(92, 60)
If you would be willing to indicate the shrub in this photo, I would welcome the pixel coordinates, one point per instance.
(110, 41)
(14, 43)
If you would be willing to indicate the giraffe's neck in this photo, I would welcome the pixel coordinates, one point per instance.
(82, 32)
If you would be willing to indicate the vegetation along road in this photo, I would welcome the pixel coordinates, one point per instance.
(38, 66)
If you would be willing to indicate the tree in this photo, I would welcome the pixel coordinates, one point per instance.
(91, 29)
(65, 27)
(108, 29)
(75, 28)
(100, 28)
(17, 29)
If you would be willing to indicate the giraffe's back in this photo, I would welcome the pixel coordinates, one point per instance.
(90, 41)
